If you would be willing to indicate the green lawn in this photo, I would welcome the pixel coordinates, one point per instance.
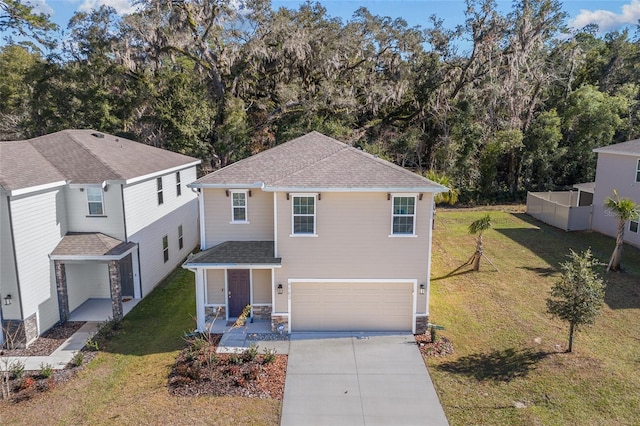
(127, 382)
(508, 367)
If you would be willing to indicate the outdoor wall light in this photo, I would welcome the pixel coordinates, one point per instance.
(279, 288)
(7, 299)
(421, 288)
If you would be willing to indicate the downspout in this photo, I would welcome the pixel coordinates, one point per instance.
(15, 258)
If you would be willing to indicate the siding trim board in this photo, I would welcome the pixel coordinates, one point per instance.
(15, 257)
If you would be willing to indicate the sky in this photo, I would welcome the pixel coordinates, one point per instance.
(608, 14)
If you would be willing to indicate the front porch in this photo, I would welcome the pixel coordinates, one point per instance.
(99, 310)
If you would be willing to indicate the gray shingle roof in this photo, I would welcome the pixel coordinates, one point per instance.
(237, 253)
(317, 161)
(90, 244)
(78, 156)
(624, 148)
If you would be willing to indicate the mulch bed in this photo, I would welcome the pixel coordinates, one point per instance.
(199, 370)
(46, 344)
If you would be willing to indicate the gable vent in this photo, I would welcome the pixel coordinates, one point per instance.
(98, 135)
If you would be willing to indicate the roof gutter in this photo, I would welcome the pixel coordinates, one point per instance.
(197, 184)
(193, 266)
(438, 188)
(93, 257)
(23, 191)
(156, 174)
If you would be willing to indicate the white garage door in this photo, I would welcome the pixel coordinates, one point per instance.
(351, 306)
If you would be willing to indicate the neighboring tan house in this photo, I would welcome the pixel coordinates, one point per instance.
(618, 168)
(86, 215)
(316, 236)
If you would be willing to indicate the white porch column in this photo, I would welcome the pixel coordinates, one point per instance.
(201, 294)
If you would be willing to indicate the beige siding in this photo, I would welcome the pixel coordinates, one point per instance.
(8, 277)
(215, 287)
(141, 199)
(39, 222)
(614, 172)
(359, 306)
(111, 223)
(261, 280)
(217, 218)
(152, 266)
(85, 281)
(353, 242)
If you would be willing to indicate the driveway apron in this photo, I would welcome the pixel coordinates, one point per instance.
(358, 379)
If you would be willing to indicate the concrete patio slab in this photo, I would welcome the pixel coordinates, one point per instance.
(356, 379)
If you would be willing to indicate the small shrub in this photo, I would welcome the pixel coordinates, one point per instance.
(16, 368)
(250, 353)
(233, 370)
(236, 359)
(46, 370)
(92, 345)
(269, 355)
(77, 360)
(27, 383)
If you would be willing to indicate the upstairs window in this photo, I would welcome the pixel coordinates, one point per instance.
(404, 215)
(165, 248)
(178, 185)
(95, 201)
(239, 206)
(638, 171)
(159, 186)
(180, 240)
(304, 215)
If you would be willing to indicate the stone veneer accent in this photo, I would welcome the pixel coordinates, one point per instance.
(20, 333)
(116, 289)
(276, 320)
(262, 312)
(63, 293)
(421, 324)
(210, 313)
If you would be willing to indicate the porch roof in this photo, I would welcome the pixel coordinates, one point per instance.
(586, 187)
(91, 246)
(236, 253)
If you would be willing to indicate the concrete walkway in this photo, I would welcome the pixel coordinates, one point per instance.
(358, 379)
(61, 356)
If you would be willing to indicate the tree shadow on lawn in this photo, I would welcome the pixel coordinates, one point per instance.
(498, 366)
(622, 291)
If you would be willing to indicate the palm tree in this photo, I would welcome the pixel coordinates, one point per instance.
(478, 227)
(624, 209)
(450, 197)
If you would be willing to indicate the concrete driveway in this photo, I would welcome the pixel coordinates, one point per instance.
(358, 379)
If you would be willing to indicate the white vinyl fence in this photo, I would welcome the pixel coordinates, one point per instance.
(559, 209)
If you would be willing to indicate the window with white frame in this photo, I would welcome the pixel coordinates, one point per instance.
(239, 206)
(165, 248)
(403, 215)
(638, 171)
(178, 185)
(95, 201)
(304, 214)
(159, 189)
(180, 240)
(633, 226)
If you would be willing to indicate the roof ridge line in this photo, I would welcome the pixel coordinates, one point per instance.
(77, 141)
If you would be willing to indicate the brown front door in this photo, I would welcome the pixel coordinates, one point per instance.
(238, 295)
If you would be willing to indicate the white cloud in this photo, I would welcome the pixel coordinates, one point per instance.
(608, 20)
(40, 6)
(121, 6)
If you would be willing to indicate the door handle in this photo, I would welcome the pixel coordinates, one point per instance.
(229, 295)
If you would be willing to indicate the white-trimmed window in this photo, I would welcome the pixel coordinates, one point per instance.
(165, 248)
(180, 239)
(95, 201)
(638, 171)
(633, 226)
(304, 215)
(403, 217)
(159, 189)
(239, 207)
(178, 185)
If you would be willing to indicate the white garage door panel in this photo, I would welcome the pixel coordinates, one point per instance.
(351, 306)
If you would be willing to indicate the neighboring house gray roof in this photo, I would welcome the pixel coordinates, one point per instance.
(625, 148)
(236, 253)
(83, 157)
(90, 244)
(316, 162)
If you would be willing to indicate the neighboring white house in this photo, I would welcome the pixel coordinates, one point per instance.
(618, 168)
(315, 235)
(86, 215)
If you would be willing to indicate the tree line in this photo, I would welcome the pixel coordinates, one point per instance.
(504, 103)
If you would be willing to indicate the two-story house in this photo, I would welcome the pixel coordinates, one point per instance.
(315, 235)
(85, 216)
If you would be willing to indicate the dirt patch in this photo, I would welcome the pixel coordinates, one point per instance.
(46, 344)
(199, 370)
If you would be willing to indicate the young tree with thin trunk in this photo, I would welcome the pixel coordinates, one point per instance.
(577, 298)
(478, 227)
(624, 209)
